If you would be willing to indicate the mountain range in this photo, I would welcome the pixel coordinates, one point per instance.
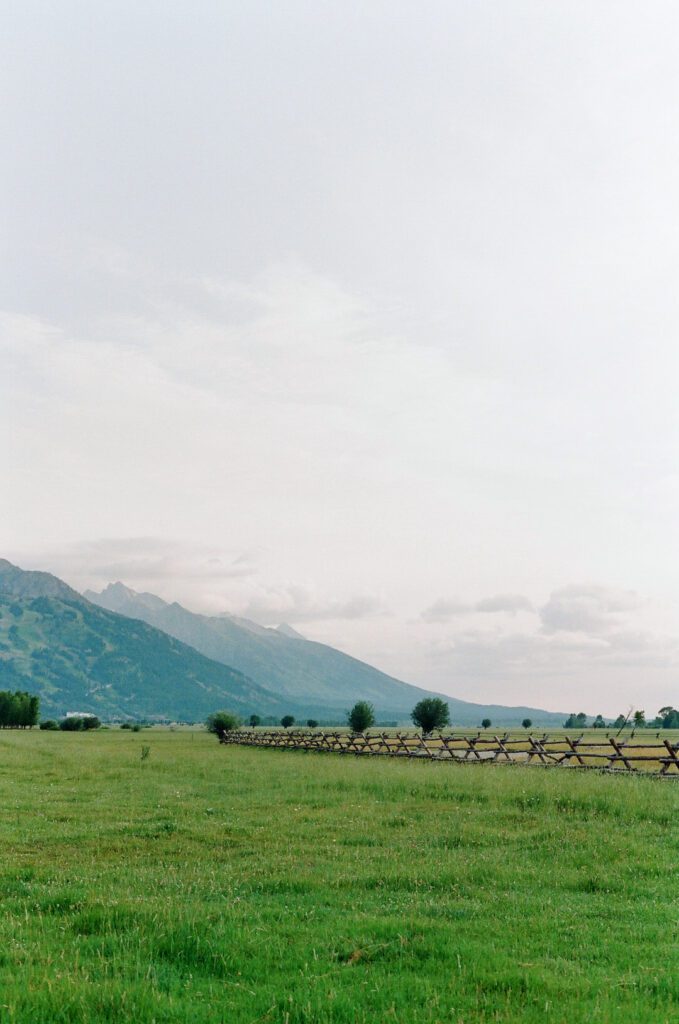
(123, 654)
(326, 681)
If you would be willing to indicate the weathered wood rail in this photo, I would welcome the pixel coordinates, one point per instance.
(660, 757)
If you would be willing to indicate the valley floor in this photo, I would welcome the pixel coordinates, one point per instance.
(223, 884)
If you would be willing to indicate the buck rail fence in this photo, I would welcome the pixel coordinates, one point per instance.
(612, 754)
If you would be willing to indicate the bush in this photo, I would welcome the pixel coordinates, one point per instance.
(312, 723)
(527, 722)
(361, 716)
(287, 721)
(486, 723)
(255, 720)
(91, 722)
(126, 725)
(431, 713)
(222, 721)
(49, 724)
(72, 724)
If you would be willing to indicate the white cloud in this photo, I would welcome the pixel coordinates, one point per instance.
(175, 569)
(588, 609)
(443, 610)
(304, 604)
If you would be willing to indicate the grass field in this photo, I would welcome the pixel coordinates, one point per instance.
(223, 884)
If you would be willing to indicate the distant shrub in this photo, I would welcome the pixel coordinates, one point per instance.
(312, 723)
(431, 713)
(361, 716)
(287, 721)
(254, 721)
(136, 727)
(74, 723)
(49, 724)
(91, 722)
(527, 722)
(222, 721)
(126, 725)
(486, 723)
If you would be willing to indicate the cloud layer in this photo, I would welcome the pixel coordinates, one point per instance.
(341, 300)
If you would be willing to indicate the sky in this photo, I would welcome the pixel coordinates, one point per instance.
(360, 316)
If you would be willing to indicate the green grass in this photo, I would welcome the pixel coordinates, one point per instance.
(228, 884)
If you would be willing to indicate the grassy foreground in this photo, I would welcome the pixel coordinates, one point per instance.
(213, 884)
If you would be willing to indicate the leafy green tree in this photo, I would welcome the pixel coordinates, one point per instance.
(486, 723)
(620, 721)
(222, 721)
(255, 720)
(287, 721)
(91, 722)
(312, 723)
(668, 718)
(527, 722)
(49, 724)
(578, 721)
(361, 716)
(431, 713)
(18, 709)
(598, 722)
(639, 719)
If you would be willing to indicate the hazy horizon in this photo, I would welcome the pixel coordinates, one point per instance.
(362, 318)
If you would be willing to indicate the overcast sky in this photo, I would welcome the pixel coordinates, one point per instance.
(361, 316)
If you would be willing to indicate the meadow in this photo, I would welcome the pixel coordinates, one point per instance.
(204, 883)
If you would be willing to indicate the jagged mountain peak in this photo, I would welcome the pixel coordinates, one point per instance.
(118, 597)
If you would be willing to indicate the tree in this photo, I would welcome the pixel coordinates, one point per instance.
(668, 718)
(222, 721)
(486, 723)
(91, 722)
(255, 720)
(287, 721)
(49, 724)
(18, 709)
(527, 722)
(620, 721)
(361, 716)
(312, 723)
(639, 719)
(431, 713)
(578, 721)
(598, 722)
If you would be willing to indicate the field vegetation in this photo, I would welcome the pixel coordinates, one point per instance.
(161, 877)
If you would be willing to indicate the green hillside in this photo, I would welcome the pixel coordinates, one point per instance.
(79, 657)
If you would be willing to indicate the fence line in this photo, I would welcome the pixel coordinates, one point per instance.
(658, 758)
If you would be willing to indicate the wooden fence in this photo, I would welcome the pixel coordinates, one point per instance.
(612, 754)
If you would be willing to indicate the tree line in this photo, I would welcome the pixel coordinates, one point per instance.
(433, 713)
(428, 714)
(18, 709)
(667, 718)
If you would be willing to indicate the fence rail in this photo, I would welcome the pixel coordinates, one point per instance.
(658, 758)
